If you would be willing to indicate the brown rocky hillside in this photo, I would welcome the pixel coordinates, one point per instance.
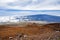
(31, 31)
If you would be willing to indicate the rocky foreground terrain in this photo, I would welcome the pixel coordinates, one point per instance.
(30, 31)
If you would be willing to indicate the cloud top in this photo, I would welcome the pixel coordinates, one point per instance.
(31, 4)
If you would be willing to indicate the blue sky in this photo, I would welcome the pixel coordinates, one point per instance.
(28, 12)
(29, 7)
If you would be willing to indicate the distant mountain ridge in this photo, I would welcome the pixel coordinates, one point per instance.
(38, 17)
(42, 17)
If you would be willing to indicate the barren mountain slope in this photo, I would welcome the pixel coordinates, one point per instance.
(7, 31)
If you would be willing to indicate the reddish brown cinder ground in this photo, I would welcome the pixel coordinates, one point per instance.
(32, 29)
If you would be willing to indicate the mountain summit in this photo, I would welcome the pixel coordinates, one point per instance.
(41, 17)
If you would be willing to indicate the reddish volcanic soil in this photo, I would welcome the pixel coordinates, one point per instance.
(45, 32)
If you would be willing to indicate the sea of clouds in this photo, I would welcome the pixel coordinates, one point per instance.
(11, 8)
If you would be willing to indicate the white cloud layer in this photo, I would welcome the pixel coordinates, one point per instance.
(31, 4)
(27, 5)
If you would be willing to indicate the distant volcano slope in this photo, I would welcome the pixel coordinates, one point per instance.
(42, 17)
